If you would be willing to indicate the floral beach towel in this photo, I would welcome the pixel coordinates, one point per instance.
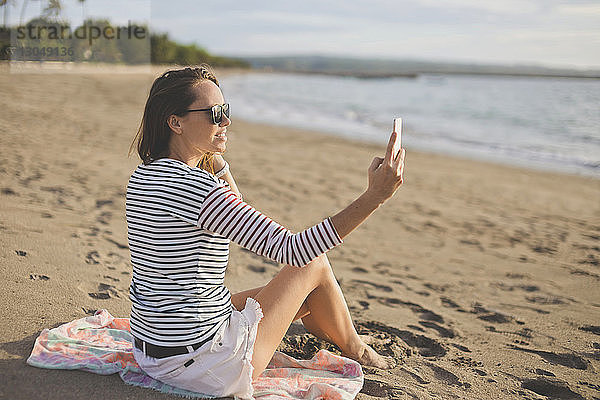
(102, 344)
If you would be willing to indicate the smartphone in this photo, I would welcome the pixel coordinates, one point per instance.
(398, 144)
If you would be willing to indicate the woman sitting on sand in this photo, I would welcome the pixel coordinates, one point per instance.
(183, 209)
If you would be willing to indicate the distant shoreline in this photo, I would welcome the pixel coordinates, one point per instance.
(388, 68)
(414, 75)
(92, 67)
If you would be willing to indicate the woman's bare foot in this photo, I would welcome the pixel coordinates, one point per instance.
(368, 357)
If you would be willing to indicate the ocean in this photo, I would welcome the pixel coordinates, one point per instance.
(542, 123)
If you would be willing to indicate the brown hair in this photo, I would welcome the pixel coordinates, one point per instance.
(170, 94)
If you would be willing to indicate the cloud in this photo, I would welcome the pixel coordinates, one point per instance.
(489, 31)
(585, 10)
(495, 7)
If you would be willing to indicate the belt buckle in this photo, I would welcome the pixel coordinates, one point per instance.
(140, 345)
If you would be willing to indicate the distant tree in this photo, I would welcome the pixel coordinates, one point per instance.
(162, 49)
(53, 9)
(5, 31)
(100, 50)
(23, 8)
(83, 13)
(51, 5)
(135, 50)
(191, 54)
(5, 4)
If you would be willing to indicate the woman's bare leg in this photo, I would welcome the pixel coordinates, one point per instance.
(329, 319)
(239, 301)
(291, 294)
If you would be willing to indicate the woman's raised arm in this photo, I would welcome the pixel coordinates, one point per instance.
(223, 213)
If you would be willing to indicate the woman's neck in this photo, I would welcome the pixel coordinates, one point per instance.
(185, 155)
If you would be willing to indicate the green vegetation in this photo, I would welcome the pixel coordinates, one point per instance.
(166, 51)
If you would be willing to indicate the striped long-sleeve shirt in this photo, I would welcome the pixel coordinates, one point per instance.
(180, 221)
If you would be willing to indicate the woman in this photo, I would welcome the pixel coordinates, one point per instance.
(183, 208)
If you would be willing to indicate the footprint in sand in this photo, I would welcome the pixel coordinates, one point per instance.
(565, 359)
(119, 245)
(416, 328)
(525, 332)
(436, 288)
(104, 217)
(393, 341)
(93, 231)
(510, 288)
(35, 177)
(104, 291)
(543, 372)
(462, 361)
(37, 277)
(514, 275)
(590, 328)
(100, 203)
(376, 388)
(446, 376)
(545, 300)
(590, 385)
(449, 303)
(92, 257)
(364, 304)
(8, 191)
(99, 295)
(443, 332)
(382, 266)
(373, 285)
(490, 316)
(553, 389)
(577, 271)
(394, 302)
(461, 347)
(522, 307)
(472, 242)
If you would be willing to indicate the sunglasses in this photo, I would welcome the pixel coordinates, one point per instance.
(217, 112)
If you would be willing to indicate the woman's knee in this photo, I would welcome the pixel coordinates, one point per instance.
(313, 273)
(320, 266)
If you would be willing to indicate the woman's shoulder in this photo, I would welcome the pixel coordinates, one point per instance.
(169, 170)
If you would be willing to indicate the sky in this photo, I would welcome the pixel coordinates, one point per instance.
(542, 32)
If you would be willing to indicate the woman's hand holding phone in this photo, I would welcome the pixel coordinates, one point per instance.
(386, 174)
(385, 177)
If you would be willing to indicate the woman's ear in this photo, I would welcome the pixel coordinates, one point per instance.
(175, 124)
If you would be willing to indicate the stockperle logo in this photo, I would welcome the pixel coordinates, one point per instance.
(89, 33)
(42, 39)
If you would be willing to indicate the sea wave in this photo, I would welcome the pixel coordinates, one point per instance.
(548, 124)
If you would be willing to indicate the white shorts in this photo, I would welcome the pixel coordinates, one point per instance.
(221, 366)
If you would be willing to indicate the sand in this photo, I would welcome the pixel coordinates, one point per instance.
(482, 280)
